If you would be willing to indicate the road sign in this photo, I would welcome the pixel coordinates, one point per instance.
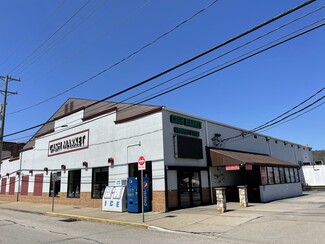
(141, 163)
(54, 177)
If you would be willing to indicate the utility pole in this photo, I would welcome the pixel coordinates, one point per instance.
(5, 93)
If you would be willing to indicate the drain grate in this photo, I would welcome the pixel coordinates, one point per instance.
(70, 220)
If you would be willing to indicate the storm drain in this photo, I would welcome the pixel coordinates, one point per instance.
(70, 220)
(170, 216)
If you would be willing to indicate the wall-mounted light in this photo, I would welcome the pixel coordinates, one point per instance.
(7, 175)
(85, 164)
(267, 138)
(17, 173)
(63, 168)
(285, 142)
(110, 161)
(31, 172)
(46, 169)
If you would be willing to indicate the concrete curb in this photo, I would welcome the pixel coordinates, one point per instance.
(118, 222)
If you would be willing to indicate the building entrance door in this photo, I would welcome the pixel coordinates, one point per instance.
(189, 185)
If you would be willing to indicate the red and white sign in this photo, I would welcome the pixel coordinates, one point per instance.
(141, 163)
(232, 167)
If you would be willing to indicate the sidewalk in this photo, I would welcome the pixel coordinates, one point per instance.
(283, 216)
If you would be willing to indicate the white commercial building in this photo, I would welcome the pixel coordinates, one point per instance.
(88, 145)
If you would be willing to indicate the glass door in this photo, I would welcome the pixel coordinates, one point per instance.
(189, 186)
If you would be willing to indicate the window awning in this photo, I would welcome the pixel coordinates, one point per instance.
(228, 158)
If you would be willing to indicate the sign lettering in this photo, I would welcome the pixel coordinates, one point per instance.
(185, 121)
(69, 143)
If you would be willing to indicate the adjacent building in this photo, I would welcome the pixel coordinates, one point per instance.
(89, 144)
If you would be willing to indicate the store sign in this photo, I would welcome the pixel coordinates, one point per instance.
(186, 122)
(232, 167)
(186, 132)
(70, 143)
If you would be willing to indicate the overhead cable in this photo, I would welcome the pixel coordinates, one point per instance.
(186, 62)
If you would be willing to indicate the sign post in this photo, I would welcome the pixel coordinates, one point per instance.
(54, 179)
(142, 167)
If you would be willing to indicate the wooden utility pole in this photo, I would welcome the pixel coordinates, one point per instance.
(5, 93)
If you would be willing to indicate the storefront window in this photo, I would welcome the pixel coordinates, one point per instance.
(292, 175)
(276, 175)
(297, 175)
(74, 179)
(282, 176)
(99, 181)
(270, 175)
(286, 170)
(263, 175)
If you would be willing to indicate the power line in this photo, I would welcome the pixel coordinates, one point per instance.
(207, 74)
(211, 69)
(50, 37)
(275, 121)
(60, 38)
(240, 137)
(43, 23)
(188, 61)
(233, 63)
(180, 86)
(281, 115)
(120, 61)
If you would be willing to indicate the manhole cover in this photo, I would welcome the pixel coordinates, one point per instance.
(69, 220)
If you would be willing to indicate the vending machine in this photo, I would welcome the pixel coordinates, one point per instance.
(134, 195)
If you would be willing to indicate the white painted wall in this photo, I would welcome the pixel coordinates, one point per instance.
(106, 139)
(280, 191)
(221, 177)
(314, 175)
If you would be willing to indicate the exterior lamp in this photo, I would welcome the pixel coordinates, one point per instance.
(31, 172)
(46, 169)
(63, 168)
(110, 161)
(85, 164)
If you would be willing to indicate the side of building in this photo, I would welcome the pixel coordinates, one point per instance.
(87, 148)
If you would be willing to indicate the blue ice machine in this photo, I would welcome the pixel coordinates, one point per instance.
(134, 195)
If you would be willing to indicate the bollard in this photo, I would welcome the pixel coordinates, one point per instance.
(221, 199)
(243, 199)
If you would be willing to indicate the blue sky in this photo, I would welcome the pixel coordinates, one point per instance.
(52, 48)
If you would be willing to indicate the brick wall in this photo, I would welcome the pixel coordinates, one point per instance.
(173, 199)
(158, 201)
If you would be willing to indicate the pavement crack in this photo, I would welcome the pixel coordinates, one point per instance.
(56, 232)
